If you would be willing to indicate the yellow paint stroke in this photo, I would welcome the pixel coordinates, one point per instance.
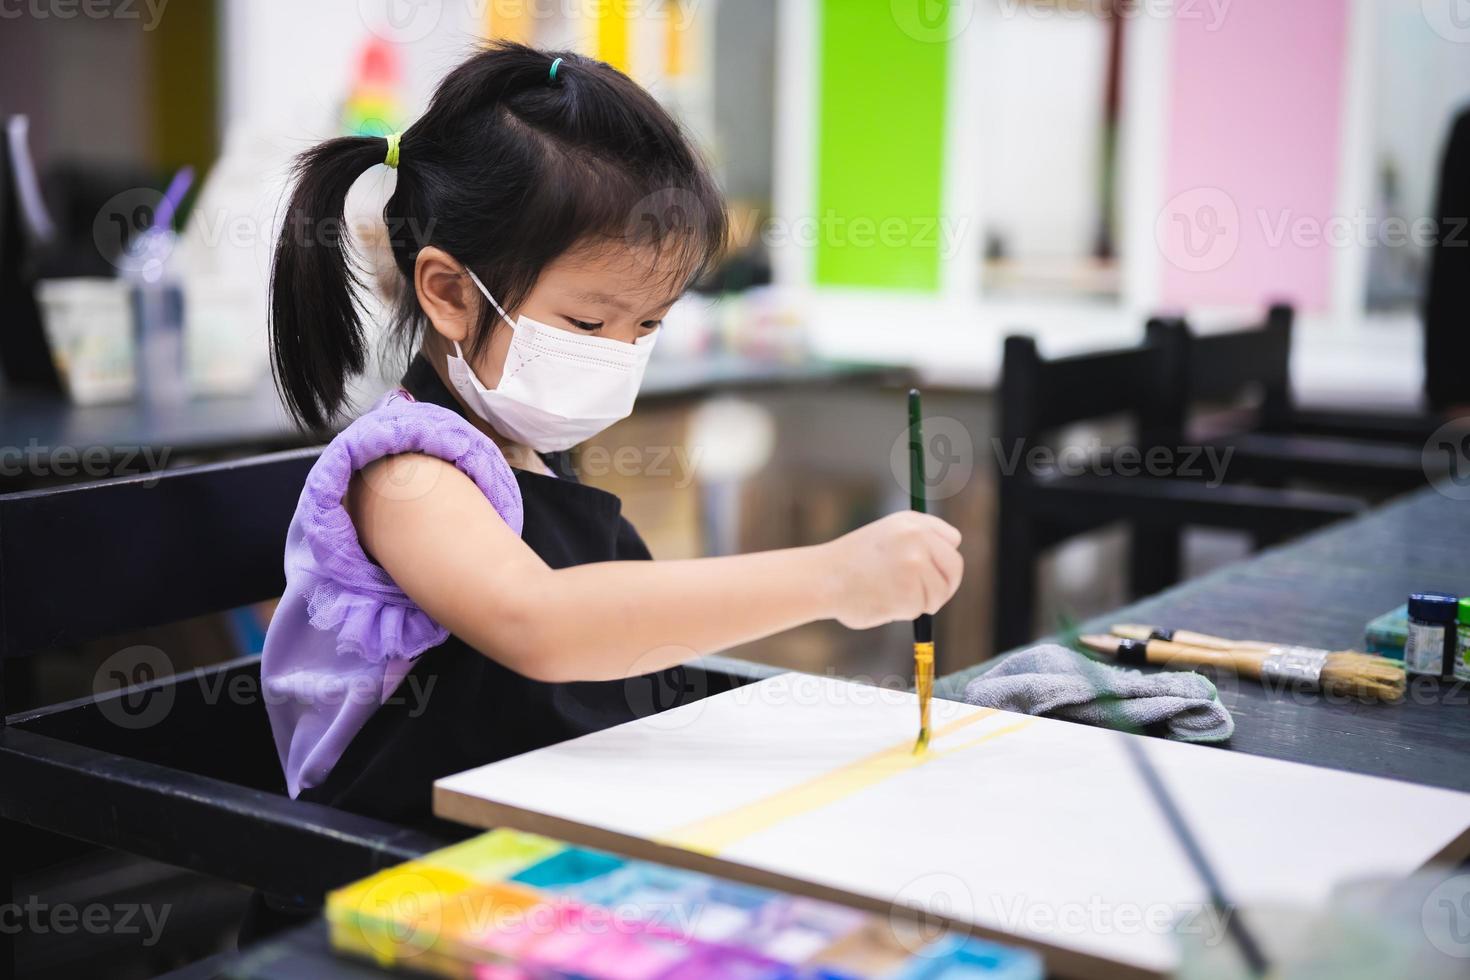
(714, 835)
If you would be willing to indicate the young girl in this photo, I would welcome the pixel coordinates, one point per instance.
(454, 596)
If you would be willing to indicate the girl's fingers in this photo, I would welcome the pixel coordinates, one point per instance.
(943, 529)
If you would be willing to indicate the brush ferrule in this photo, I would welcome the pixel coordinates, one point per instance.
(1295, 665)
(1132, 652)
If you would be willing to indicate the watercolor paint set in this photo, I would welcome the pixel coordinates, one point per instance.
(508, 905)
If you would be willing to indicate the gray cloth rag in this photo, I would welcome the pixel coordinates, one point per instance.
(1060, 683)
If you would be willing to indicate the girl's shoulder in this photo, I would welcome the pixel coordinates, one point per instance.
(396, 424)
(341, 590)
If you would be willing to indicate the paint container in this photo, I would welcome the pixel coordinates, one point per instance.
(569, 868)
(965, 958)
(1429, 649)
(1462, 659)
(728, 963)
(727, 910)
(494, 857)
(794, 930)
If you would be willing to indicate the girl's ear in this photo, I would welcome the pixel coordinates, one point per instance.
(446, 295)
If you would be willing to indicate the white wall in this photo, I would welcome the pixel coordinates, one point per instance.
(1043, 82)
(288, 64)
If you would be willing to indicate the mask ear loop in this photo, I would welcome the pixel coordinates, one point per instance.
(481, 286)
(476, 279)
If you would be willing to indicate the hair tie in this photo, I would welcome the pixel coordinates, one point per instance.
(392, 158)
(554, 66)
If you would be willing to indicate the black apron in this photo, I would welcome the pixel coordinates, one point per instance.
(457, 708)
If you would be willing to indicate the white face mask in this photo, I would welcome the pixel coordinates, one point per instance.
(557, 388)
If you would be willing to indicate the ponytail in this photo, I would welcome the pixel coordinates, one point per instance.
(315, 325)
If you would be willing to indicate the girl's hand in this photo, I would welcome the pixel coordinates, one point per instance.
(895, 568)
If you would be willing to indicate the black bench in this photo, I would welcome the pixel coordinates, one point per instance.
(177, 768)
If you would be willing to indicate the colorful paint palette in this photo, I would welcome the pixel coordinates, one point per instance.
(507, 905)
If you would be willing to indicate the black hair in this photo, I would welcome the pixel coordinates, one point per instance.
(507, 170)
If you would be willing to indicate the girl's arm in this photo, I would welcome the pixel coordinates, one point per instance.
(445, 546)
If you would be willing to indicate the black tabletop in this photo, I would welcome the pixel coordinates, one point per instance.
(1321, 591)
(40, 423)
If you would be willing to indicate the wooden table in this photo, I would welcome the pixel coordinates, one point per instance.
(1321, 590)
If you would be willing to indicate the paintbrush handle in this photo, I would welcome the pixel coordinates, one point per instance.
(1171, 653)
(1193, 639)
(1166, 653)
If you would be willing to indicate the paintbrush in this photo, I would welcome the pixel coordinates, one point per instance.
(1340, 672)
(924, 625)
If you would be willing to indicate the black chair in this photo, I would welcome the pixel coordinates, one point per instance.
(180, 769)
(1042, 506)
(1276, 442)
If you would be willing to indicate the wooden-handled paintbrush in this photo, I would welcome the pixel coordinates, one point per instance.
(924, 625)
(1339, 672)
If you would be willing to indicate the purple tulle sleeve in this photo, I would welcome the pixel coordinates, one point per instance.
(344, 635)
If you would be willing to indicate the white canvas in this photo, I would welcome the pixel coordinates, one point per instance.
(1027, 828)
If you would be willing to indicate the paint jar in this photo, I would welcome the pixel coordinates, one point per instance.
(1462, 656)
(1429, 648)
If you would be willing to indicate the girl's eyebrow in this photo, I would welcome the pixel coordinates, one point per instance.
(604, 298)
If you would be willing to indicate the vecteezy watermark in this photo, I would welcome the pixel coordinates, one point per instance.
(407, 21)
(1198, 230)
(401, 21)
(1446, 459)
(652, 687)
(123, 231)
(36, 917)
(1212, 12)
(403, 913)
(932, 21)
(921, 911)
(122, 222)
(129, 693)
(1359, 229)
(71, 462)
(125, 691)
(1450, 19)
(150, 12)
(944, 233)
(949, 457)
(679, 463)
(1446, 916)
(1092, 458)
(1096, 916)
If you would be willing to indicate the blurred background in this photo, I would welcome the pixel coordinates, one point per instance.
(908, 183)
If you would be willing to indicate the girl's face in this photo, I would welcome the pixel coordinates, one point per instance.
(621, 294)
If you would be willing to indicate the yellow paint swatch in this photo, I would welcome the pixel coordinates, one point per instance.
(717, 834)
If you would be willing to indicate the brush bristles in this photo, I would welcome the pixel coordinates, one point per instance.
(1363, 674)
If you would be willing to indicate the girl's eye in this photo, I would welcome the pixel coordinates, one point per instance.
(652, 324)
(583, 324)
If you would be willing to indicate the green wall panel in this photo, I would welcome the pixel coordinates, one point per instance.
(880, 146)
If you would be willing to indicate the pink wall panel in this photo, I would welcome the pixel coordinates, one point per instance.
(1252, 151)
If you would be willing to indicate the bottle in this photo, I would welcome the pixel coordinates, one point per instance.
(1429, 648)
(1462, 657)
